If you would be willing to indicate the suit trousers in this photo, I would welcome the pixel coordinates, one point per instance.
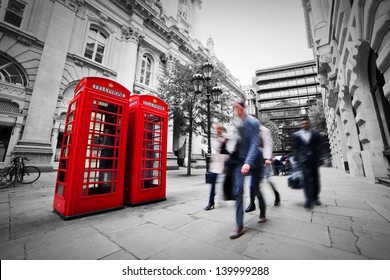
(239, 188)
(311, 187)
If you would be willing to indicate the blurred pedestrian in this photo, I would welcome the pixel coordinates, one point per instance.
(308, 154)
(277, 165)
(217, 163)
(248, 158)
(265, 146)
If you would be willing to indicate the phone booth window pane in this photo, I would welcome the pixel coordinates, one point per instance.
(60, 189)
(62, 164)
(102, 151)
(61, 176)
(151, 151)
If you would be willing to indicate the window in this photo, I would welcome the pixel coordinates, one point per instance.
(96, 44)
(11, 73)
(14, 12)
(146, 70)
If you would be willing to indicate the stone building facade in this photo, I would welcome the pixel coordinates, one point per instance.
(47, 46)
(351, 43)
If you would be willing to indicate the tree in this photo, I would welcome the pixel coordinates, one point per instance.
(187, 109)
(317, 117)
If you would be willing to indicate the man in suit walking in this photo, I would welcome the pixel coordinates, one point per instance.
(247, 158)
(308, 154)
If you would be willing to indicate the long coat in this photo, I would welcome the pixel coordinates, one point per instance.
(309, 154)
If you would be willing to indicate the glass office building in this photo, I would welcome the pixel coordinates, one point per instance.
(284, 94)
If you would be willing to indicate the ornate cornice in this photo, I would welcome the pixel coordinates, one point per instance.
(131, 33)
(306, 11)
(72, 4)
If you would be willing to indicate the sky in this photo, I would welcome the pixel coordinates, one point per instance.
(254, 34)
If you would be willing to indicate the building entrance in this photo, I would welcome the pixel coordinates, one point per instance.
(5, 135)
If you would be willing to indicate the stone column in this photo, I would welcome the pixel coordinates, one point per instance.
(127, 67)
(35, 142)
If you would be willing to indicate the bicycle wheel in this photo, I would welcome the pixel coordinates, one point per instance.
(29, 175)
(7, 178)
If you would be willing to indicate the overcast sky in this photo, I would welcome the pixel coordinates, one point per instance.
(254, 34)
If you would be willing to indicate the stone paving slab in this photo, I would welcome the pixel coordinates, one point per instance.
(217, 234)
(376, 246)
(146, 240)
(192, 249)
(357, 213)
(275, 247)
(344, 239)
(338, 221)
(313, 233)
(81, 244)
(167, 218)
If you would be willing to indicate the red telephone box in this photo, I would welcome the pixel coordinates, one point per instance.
(92, 160)
(146, 161)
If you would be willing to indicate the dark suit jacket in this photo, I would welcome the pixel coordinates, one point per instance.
(248, 145)
(311, 153)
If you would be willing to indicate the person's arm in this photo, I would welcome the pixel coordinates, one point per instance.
(253, 131)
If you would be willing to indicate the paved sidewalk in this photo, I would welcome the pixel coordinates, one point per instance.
(352, 223)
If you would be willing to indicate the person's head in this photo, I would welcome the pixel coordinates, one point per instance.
(305, 123)
(239, 107)
(219, 129)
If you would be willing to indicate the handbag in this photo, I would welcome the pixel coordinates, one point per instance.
(295, 180)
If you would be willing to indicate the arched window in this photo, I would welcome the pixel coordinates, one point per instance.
(11, 72)
(96, 44)
(146, 70)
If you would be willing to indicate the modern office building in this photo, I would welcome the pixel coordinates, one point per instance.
(351, 41)
(46, 47)
(284, 94)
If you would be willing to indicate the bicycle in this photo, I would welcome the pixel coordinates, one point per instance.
(19, 172)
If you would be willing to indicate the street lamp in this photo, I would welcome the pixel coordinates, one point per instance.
(198, 81)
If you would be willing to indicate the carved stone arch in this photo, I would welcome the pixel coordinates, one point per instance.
(101, 20)
(69, 90)
(67, 95)
(62, 114)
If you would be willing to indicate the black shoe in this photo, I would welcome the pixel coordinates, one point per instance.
(210, 206)
(307, 205)
(250, 208)
(277, 198)
(318, 203)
